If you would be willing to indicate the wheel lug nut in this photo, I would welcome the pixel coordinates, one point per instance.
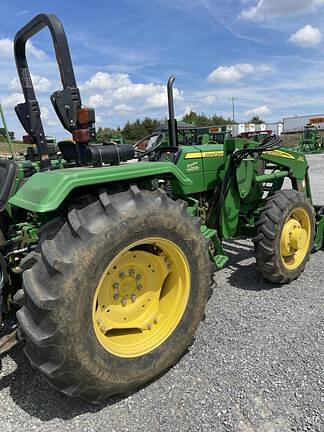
(138, 277)
(139, 287)
(103, 329)
(124, 301)
(116, 296)
(133, 298)
(121, 275)
(116, 285)
(131, 272)
(99, 321)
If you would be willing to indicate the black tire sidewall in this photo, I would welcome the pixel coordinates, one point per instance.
(304, 204)
(92, 262)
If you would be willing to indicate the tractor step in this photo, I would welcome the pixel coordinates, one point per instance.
(220, 261)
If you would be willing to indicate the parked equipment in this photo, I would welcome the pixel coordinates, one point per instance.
(108, 264)
(311, 142)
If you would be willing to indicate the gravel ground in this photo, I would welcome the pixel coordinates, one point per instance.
(256, 364)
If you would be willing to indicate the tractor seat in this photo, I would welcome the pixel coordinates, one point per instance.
(8, 170)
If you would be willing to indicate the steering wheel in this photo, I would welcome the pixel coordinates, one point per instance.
(148, 144)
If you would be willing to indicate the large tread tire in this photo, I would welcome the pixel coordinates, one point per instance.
(269, 229)
(61, 276)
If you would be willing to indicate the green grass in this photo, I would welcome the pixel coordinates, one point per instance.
(18, 147)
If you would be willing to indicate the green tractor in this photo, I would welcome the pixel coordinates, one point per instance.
(106, 264)
(214, 134)
(311, 142)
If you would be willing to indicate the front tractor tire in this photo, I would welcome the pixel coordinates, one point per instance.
(115, 293)
(285, 234)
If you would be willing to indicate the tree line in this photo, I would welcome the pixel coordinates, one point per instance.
(133, 131)
(3, 135)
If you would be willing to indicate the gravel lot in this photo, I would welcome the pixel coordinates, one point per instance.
(256, 364)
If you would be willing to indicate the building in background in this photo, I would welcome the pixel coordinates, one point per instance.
(296, 124)
(242, 128)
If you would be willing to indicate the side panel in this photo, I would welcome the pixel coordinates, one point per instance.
(208, 160)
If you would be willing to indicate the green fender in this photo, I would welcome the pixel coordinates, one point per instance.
(45, 191)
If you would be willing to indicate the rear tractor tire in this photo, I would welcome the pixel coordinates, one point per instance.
(285, 234)
(115, 293)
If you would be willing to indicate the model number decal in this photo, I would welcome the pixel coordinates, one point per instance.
(279, 153)
(208, 154)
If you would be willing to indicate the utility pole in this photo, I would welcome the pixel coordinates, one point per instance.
(233, 107)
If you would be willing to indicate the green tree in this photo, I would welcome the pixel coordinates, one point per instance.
(133, 131)
(204, 120)
(256, 120)
(3, 134)
(105, 134)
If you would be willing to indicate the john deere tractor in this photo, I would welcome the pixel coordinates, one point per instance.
(106, 265)
(311, 142)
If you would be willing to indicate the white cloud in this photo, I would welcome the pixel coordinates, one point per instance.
(37, 53)
(40, 83)
(265, 9)
(210, 100)
(259, 111)
(105, 81)
(119, 89)
(45, 113)
(226, 74)
(97, 100)
(230, 74)
(122, 108)
(137, 90)
(187, 110)
(307, 36)
(12, 100)
(6, 49)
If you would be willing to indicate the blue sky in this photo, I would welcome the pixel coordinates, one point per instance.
(266, 53)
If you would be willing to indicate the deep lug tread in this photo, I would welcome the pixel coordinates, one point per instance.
(52, 350)
(37, 293)
(54, 261)
(29, 260)
(39, 336)
(267, 240)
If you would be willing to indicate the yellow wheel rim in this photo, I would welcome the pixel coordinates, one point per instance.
(141, 297)
(295, 238)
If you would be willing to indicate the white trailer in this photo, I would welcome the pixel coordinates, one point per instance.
(275, 128)
(260, 127)
(297, 123)
(238, 128)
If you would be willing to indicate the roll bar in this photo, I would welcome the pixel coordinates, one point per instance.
(172, 123)
(67, 102)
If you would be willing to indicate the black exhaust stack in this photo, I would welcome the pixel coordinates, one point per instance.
(172, 122)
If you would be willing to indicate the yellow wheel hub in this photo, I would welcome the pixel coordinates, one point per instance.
(141, 297)
(295, 238)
